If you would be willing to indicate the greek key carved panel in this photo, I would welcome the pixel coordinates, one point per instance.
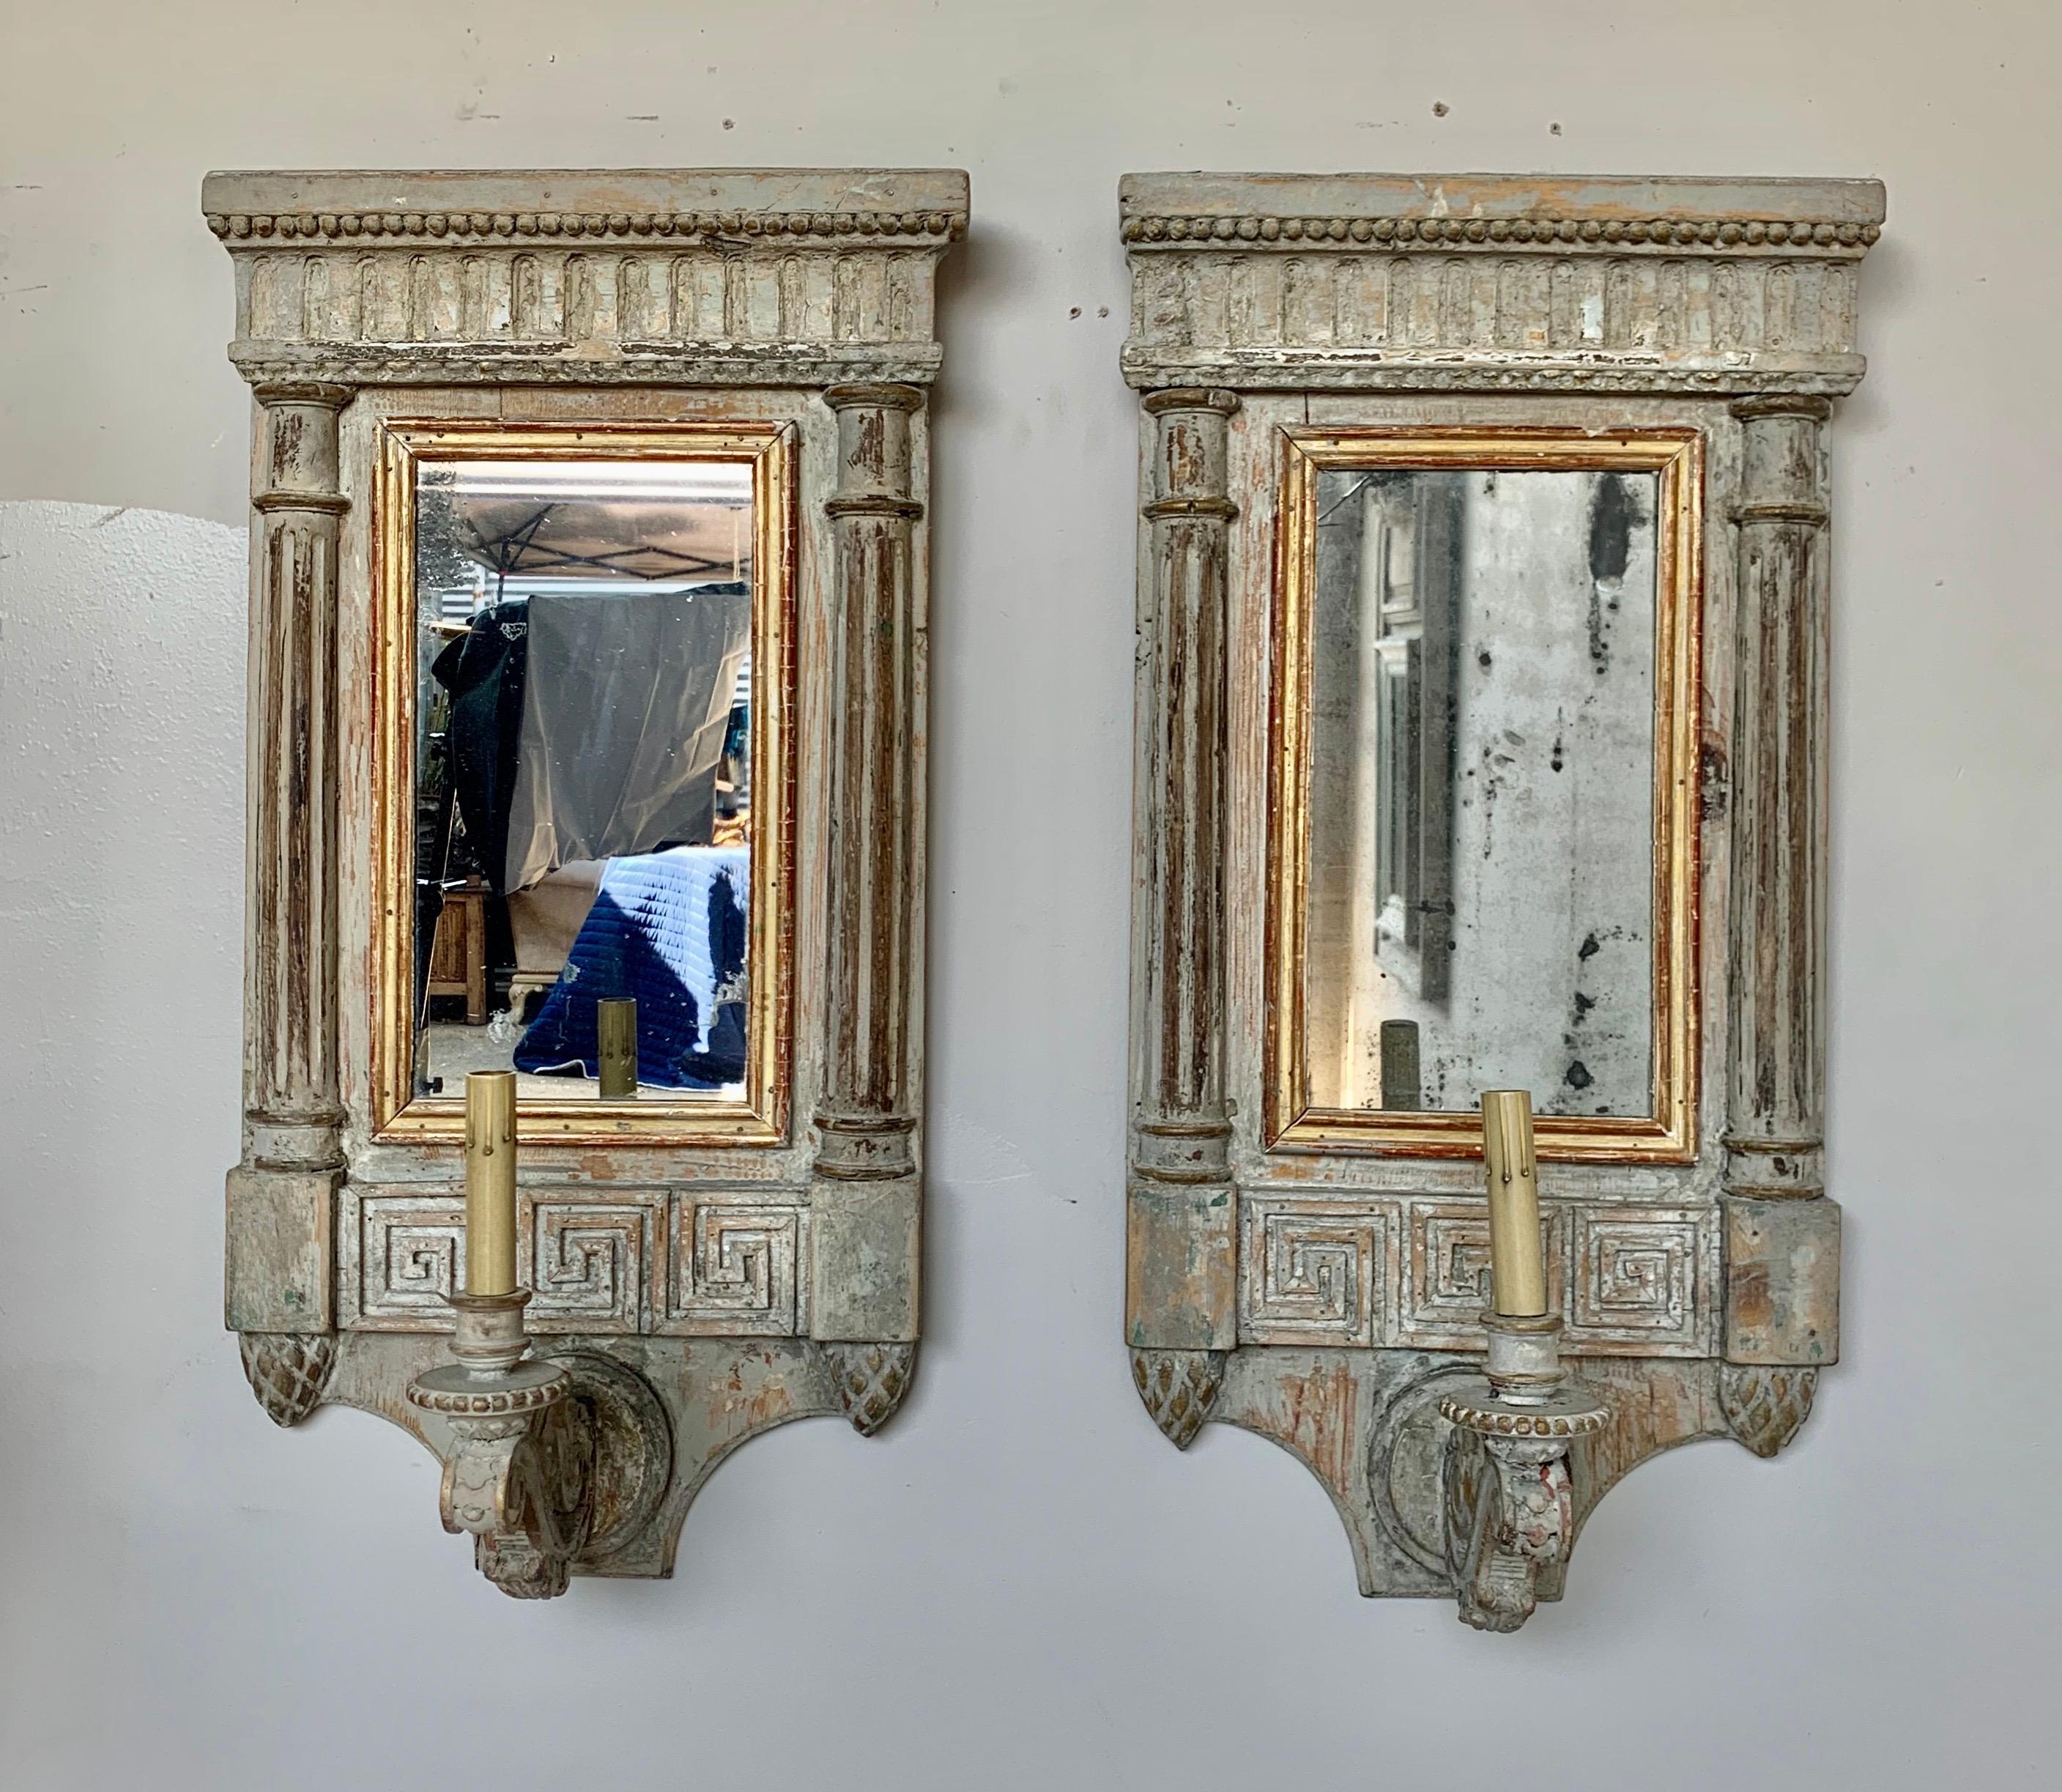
(1645, 1281)
(1445, 1272)
(1316, 1272)
(732, 1268)
(627, 337)
(595, 1265)
(1356, 391)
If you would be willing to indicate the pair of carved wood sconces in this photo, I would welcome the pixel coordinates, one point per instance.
(1465, 502)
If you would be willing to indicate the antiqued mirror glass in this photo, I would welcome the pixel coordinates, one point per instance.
(590, 638)
(1489, 883)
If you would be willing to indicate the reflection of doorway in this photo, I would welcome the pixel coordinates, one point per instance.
(1400, 811)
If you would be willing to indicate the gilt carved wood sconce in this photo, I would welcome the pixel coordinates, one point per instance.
(1482, 708)
(588, 612)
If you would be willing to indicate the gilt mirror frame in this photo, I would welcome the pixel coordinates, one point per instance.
(1319, 1278)
(702, 1272)
(1667, 1132)
(403, 446)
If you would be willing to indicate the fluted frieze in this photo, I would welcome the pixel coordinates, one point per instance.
(679, 277)
(1479, 282)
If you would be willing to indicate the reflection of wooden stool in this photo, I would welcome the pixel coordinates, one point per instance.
(543, 920)
(458, 949)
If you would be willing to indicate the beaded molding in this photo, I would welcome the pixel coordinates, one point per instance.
(489, 227)
(1406, 233)
(519, 1399)
(1508, 1422)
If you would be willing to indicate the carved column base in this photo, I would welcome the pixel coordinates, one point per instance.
(1765, 1408)
(287, 1370)
(871, 1379)
(1179, 1387)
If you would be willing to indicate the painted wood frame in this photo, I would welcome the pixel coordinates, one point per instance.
(713, 1283)
(1324, 1290)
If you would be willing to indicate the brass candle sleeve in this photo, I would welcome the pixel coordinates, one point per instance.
(1518, 1262)
(489, 1182)
(616, 1024)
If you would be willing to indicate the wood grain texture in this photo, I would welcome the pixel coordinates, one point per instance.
(1699, 1296)
(1480, 283)
(661, 277)
(1180, 1283)
(865, 1197)
(563, 300)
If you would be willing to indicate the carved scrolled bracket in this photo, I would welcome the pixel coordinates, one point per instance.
(872, 1380)
(518, 1475)
(1510, 1512)
(1509, 1505)
(1765, 1406)
(1179, 1387)
(287, 1370)
(551, 1462)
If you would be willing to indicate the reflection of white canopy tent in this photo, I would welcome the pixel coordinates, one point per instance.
(525, 522)
(635, 651)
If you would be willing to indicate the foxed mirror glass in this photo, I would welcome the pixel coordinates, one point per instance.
(1484, 871)
(585, 699)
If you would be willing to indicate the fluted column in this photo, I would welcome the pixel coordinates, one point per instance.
(282, 1197)
(1180, 1299)
(866, 1199)
(1782, 1236)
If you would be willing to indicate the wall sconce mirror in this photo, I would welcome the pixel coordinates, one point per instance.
(592, 678)
(583, 1040)
(1486, 761)
(1481, 770)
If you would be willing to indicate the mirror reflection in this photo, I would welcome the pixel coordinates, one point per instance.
(1480, 910)
(584, 781)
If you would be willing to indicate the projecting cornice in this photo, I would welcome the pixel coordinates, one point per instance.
(664, 277)
(1496, 282)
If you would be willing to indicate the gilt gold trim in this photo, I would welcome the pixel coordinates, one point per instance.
(1667, 1134)
(761, 1117)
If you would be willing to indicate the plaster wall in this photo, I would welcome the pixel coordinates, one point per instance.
(1019, 1584)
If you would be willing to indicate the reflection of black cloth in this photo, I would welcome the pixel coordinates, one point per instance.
(667, 929)
(628, 700)
(485, 670)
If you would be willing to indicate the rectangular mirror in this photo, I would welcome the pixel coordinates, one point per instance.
(585, 697)
(1483, 869)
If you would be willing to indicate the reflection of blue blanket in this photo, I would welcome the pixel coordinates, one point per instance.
(669, 930)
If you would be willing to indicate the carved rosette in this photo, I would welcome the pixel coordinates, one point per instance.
(1765, 1408)
(1179, 1387)
(871, 1379)
(287, 1370)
